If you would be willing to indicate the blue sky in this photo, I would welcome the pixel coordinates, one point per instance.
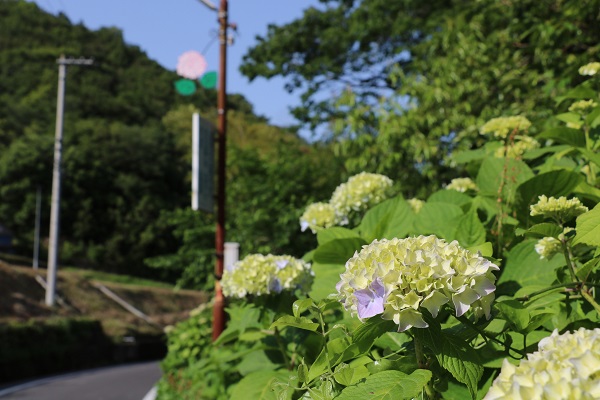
(165, 29)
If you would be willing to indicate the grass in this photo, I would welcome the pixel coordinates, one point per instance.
(116, 278)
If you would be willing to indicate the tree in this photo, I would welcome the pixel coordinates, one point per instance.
(449, 67)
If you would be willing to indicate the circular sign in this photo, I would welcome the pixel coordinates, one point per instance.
(191, 65)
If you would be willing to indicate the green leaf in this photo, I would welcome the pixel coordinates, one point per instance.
(256, 361)
(470, 231)
(507, 173)
(486, 249)
(587, 268)
(587, 191)
(453, 354)
(590, 155)
(569, 117)
(338, 251)
(573, 137)
(326, 277)
(388, 385)
(296, 322)
(514, 313)
(450, 196)
(545, 229)
(437, 219)
(331, 355)
(593, 118)
(525, 268)
(578, 93)
(392, 218)
(588, 228)
(347, 375)
(371, 329)
(335, 232)
(258, 385)
(301, 305)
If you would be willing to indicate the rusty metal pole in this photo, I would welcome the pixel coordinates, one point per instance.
(219, 305)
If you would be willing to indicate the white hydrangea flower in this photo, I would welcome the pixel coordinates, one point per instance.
(582, 106)
(547, 247)
(501, 127)
(565, 367)
(416, 204)
(259, 274)
(461, 185)
(398, 278)
(319, 216)
(590, 69)
(518, 148)
(559, 209)
(361, 192)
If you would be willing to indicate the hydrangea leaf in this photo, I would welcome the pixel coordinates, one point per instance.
(439, 219)
(453, 354)
(391, 218)
(326, 277)
(524, 268)
(544, 229)
(347, 375)
(388, 385)
(338, 251)
(470, 231)
(574, 137)
(450, 196)
(505, 173)
(258, 385)
(296, 322)
(336, 232)
(588, 228)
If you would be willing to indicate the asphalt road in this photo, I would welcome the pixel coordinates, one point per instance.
(124, 382)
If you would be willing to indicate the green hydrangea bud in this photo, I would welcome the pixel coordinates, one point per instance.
(559, 209)
(415, 204)
(360, 193)
(590, 69)
(501, 127)
(462, 185)
(319, 216)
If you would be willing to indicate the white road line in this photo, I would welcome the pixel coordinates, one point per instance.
(151, 395)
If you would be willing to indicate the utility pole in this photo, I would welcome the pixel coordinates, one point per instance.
(219, 304)
(56, 174)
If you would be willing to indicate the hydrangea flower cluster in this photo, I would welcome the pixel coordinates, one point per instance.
(518, 148)
(319, 216)
(415, 204)
(582, 106)
(559, 209)
(259, 274)
(361, 192)
(547, 247)
(564, 367)
(398, 278)
(590, 69)
(502, 126)
(461, 185)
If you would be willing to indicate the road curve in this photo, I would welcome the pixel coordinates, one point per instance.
(123, 382)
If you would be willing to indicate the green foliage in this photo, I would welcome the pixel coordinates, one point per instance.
(414, 81)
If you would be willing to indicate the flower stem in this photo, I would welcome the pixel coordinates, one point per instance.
(423, 364)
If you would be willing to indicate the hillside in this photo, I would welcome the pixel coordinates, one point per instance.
(22, 299)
